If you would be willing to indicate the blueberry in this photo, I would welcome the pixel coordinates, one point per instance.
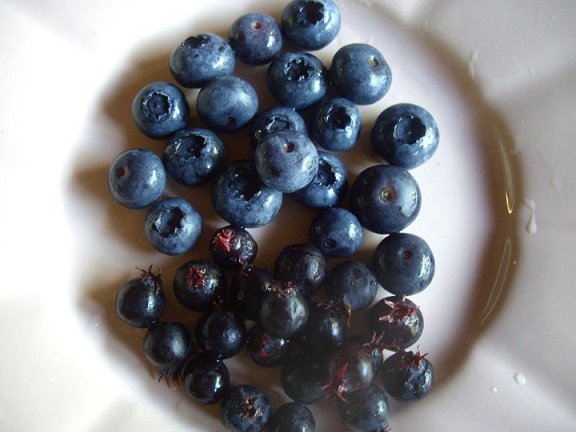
(265, 349)
(336, 232)
(160, 109)
(403, 264)
(221, 333)
(256, 38)
(167, 345)
(304, 378)
(193, 156)
(227, 104)
(405, 135)
(172, 226)
(201, 58)
(297, 79)
(198, 284)
(350, 368)
(233, 247)
(245, 409)
(140, 301)
(286, 160)
(206, 379)
(275, 119)
(335, 124)
(292, 417)
(360, 73)
(385, 198)
(364, 410)
(328, 186)
(407, 375)
(284, 311)
(325, 329)
(352, 283)
(136, 178)
(303, 264)
(241, 198)
(398, 321)
(310, 24)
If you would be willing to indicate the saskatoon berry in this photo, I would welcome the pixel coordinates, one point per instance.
(303, 264)
(221, 333)
(304, 378)
(350, 368)
(398, 321)
(247, 289)
(264, 349)
(245, 408)
(325, 329)
(352, 283)
(206, 379)
(167, 345)
(364, 410)
(292, 417)
(140, 301)
(407, 375)
(233, 247)
(198, 284)
(284, 311)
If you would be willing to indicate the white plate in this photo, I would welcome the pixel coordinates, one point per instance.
(498, 209)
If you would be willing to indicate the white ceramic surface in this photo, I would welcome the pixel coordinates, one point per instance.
(498, 208)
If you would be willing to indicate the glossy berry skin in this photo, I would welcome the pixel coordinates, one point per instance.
(172, 226)
(247, 289)
(286, 160)
(302, 264)
(310, 24)
(245, 409)
(206, 379)
(198, 284)
(193, 156)
(256, 38)
(140, 301)
(201, 58)
(233, 247)
(403, 263)
(221, 333)
(328, 186)
(385, 198)
(364, 410)
(350, 368)
(227, 104)
(297, 79)
(398, 321)
(325, 329)
(336, 232)
(136, 178)
(160, 109)
(405, 135)
(265, 349)
(241, 198)
(335, 124)
(277, 118)
(352, 283)
(167, 345)
(284, 311)
(292, 417)
(407, 375)
(360, 73)
(304, 378)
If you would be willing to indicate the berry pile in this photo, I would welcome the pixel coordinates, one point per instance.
(295, 316)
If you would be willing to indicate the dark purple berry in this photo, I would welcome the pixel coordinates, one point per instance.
(264, 349)
(407, 375)
(206, 379)
(198, 284)
(245, 409)
(284, 311)
(221, 333)
(167, 345)
(233, 247)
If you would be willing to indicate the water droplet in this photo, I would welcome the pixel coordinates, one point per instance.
(531, 226)
(494, 389)
(519, 378)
